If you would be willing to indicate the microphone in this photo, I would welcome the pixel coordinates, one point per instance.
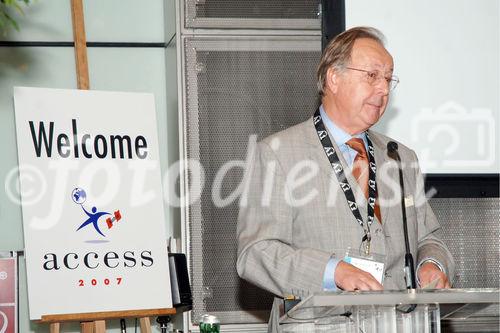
(392, 152)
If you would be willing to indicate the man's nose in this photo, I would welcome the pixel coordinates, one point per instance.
(383, 86)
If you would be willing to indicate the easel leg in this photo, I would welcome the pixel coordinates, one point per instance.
(99, 326)
(54, 327)
(145, 325)
(87, 327)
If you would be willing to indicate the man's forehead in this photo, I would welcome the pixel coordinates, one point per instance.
(371, 52)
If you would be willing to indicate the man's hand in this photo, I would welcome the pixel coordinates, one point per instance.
(429, 272)
(350, 278)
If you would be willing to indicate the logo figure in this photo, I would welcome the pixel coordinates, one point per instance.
(79, 197)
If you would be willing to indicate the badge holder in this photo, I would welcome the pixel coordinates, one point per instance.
(372, 263)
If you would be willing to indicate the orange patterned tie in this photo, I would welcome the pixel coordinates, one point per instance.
(360, 169)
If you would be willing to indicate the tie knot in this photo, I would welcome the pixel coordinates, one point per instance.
(358, 145)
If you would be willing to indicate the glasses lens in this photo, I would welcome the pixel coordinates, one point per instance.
(394, 83)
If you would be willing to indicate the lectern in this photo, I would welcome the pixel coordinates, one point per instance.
(422, 311)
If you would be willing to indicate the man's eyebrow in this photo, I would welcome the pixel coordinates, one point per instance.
(378, 66)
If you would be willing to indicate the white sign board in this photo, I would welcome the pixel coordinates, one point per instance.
(92, 201)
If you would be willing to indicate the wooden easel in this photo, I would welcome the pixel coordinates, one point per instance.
(82, 67)
(94, 322)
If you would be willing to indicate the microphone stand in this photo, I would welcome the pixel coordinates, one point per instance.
(411, 284)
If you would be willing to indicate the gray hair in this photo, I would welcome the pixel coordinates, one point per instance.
(338, 51)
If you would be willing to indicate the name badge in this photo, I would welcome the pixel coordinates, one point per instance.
(373, 264)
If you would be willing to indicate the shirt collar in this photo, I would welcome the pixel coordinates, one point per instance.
(338, 134)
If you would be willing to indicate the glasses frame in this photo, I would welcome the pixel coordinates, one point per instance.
(374, 76)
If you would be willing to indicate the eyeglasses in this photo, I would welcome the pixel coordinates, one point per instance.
(372, 77)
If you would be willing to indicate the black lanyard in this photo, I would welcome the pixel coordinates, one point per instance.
(332, 156)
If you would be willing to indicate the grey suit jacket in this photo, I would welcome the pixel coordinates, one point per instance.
(294, 217)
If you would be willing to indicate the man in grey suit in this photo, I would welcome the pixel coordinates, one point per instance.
(316, 203)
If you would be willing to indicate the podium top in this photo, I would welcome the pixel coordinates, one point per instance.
(331, 307)
(398, 297)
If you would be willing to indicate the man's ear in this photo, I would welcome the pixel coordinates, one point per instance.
(332, 80)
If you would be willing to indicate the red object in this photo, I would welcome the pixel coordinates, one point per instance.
(7, 280)
(7, 318)
(8, 301)
(117, 217)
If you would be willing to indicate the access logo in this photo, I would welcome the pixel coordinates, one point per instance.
(79, 197)
(110, 256)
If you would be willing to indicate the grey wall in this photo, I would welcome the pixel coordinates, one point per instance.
(134, 69)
